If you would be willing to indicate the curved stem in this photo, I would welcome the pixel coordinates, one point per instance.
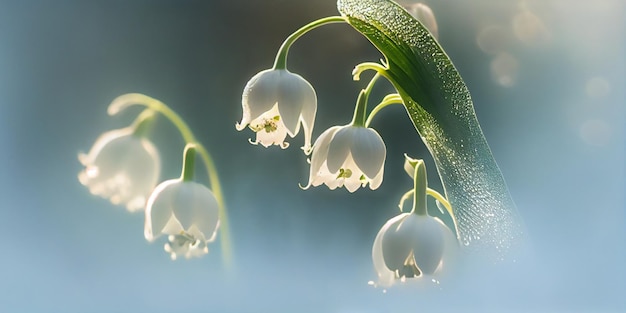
(143, 123)
(379, 68)
(189, 158)
(434, 194)
(281, 57)
(442, 200)
(217, 191)
(388, 100)
(357, 117)
(360, 109)
(420, 184)
(124, 101)
(405, 197)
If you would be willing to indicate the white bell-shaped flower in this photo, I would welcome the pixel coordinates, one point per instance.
(412, 246)
(187, 212)
(350, 156)
(274, 103)
(122, 167)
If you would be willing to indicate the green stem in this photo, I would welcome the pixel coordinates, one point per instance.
(143, 123)
(443, 201)
(281, 57)
(357, 117)
(360, 109)
(378, 68)
(405, 197)
(189, 158)
(388, 100)
(124, 101)
(433, 193)
(420, 185)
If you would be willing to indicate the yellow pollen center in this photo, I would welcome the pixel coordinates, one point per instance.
(344, 173)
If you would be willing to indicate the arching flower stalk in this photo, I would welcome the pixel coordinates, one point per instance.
(123, 165)
(187, 212)
(276, 101)
(414, 246)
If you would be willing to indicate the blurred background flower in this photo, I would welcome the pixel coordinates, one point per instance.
(556, 129)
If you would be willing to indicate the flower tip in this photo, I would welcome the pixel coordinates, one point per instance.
(305, 187)
(284, 145)
(118, 104)
(410, 159)
(122, 102)
(239, 126)
(374, 185)
(255, 143)
(356, 73)
(351, 188)
(307, 151)
(83, 159)
(113, 109)
(148, 235)
(82, 178)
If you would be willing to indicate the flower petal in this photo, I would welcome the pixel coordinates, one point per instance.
(386, 277)
(397, 244)
(377, 180)
(184, 201)
(339, 148)
(294, 92)
(368, 150)
(427, 235)
(159, 208)
(320, 153)
(259, 95)
(273, 136)
(353, 181)
(309, 109)
(205, 212)
(122, 168)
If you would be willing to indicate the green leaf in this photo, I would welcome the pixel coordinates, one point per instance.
(440, 106)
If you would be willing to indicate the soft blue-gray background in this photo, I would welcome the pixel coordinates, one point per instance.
(557, 134)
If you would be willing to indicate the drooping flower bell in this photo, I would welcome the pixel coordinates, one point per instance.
(186, 211)
(350, 156)
(123, 165)
(274, 103)
(412, 246)
(415, 245)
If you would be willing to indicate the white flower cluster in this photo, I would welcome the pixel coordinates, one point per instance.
(274, 104)
(410, 246)
(123, 166)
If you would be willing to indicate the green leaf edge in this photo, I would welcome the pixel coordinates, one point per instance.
(440, 107)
